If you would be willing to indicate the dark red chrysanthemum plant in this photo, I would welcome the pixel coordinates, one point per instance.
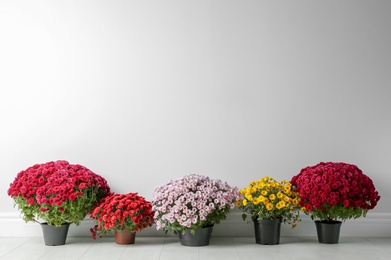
(332, 191)
(120, 211)
(57, 192)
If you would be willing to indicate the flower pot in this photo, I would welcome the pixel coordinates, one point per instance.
(124, 237)
(55, 236)
(328, 231)
(267, 231)
(200, 238)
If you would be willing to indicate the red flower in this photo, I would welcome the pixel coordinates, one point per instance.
(31, 201)
(73, 196)
(117, 211)
(56, 184)
(335, 190)
(82, 185)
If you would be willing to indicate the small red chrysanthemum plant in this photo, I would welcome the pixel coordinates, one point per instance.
(57, 192)
(335, 191)
(119, 212)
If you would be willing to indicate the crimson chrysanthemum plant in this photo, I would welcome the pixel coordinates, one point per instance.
(57, 192)
(335, 191)
(120, 211)
(192, 202)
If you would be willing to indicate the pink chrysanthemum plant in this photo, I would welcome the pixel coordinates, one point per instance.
(192, 202)
(57, 192)
(118, 212)
(335, 191)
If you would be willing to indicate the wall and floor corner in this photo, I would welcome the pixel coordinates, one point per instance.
(142, 92)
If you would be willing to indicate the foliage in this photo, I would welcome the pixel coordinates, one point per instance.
(332, 191)
(192, 202)
(121, 211)
(57, 192)
(267, 198)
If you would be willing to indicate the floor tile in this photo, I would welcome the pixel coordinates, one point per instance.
(148, 248)
(9, 244)
(174, 250)
(104, 248)
(169, 247)
(219, 248)
(34, 248)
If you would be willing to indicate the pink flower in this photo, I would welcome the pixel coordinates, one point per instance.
(194, 197)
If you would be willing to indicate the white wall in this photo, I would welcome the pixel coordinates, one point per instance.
(144, 91)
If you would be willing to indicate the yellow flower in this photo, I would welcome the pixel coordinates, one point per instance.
(249, 197)
(266, 195)
(238, 202)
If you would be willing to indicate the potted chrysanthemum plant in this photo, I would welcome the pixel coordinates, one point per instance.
(332, 192)
(269, 203)
(125, 214)
(56, 194)
(191, 206)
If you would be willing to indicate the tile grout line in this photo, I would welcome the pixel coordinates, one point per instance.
(85, 251)
(236, 251)
(162, 247)
(24, 244)
(123, 251)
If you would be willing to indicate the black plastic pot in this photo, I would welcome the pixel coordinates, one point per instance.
(267, 231)
(200, 238)
(55, 236)
(328, 231)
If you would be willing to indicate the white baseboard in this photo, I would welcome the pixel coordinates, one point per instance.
(373, 225)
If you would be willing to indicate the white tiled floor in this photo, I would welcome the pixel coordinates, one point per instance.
(220, 248)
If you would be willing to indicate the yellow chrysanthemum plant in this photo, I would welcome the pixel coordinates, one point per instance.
(267, 198)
